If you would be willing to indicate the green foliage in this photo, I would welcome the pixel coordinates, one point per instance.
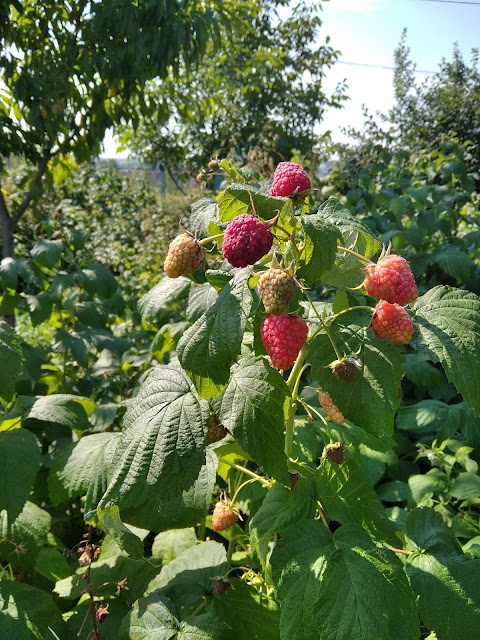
(259, 96)
(106, 432)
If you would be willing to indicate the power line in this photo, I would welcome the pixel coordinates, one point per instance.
(452, 2)
(380, 66)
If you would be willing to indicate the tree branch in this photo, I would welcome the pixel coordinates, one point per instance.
(27, 198)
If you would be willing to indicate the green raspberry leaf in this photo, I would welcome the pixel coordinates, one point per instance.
(155, 303)
(189, 577)
(341, 587)
(444, 580)
(281, 508)
(212, 344)
(236, 200)
(81, 468)
(20, 455)
(11, 361)
(347, 498)
(253, 408)
(247, 611)
(355, 234)
(320, 247)
(449, 324)
(202, 213)
(163, 440)
(372, 398)
(27, 613)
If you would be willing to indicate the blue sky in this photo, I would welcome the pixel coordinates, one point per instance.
(368, 31)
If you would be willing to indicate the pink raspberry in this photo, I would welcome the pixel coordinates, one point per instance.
(289, 178)
(391, 322)
(223, 516)
(246, 240)
(283, 337)
(391, 279)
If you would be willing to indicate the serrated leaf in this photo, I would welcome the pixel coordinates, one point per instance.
(138, 574)
(430, 416)
(27, 613)
(47, 253)
(281, 508)
(253, 409)
(163, 439)
(320, 247)
(421, 372)
(371, 399)
(81, 468)
(157, 618)
(11, 361)
(455, 263)
(236, 200)
(466, 486)
(109, 521)
(347, 498)
(212, 344)
(67, 410)
(203, 211)
(449, 324)
(445, 581)
(248, 611)
(189, 577)
(172, 507)
(424, 486)
(30, 530)
(170, 544)
(355, 234)
(165, 293)
(98, 280)
(20, 455)
(201, 298)
(332, 587)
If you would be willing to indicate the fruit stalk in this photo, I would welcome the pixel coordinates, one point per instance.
(293, 384)
(252, 474)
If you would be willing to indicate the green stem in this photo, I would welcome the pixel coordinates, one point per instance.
(230, 550)
(232, 501)
(359, 257)
(340, 313)
(293, 384)
(234, 465)
(336, 349)
(210, 239)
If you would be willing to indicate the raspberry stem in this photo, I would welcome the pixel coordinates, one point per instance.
(360, 258)
(210, 239)
(232, 501)
(293, 384)
(335, 348)
(234, 465)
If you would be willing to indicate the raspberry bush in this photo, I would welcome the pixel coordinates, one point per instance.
(257, 486)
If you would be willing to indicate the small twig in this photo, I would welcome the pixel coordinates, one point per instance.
(395, 550)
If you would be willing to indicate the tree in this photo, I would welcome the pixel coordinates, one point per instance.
(259, 97)
(69, 71)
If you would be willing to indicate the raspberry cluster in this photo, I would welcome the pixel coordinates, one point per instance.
(283, 337)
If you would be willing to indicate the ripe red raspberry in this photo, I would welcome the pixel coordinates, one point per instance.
(246, 240)
(223, 516)
(330, 408)
(391, 322)
(289, 178)
(283, 337)
(276, 288)
(391, 279)
(184, 256)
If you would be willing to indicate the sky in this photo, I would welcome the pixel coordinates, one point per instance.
(366, 32)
